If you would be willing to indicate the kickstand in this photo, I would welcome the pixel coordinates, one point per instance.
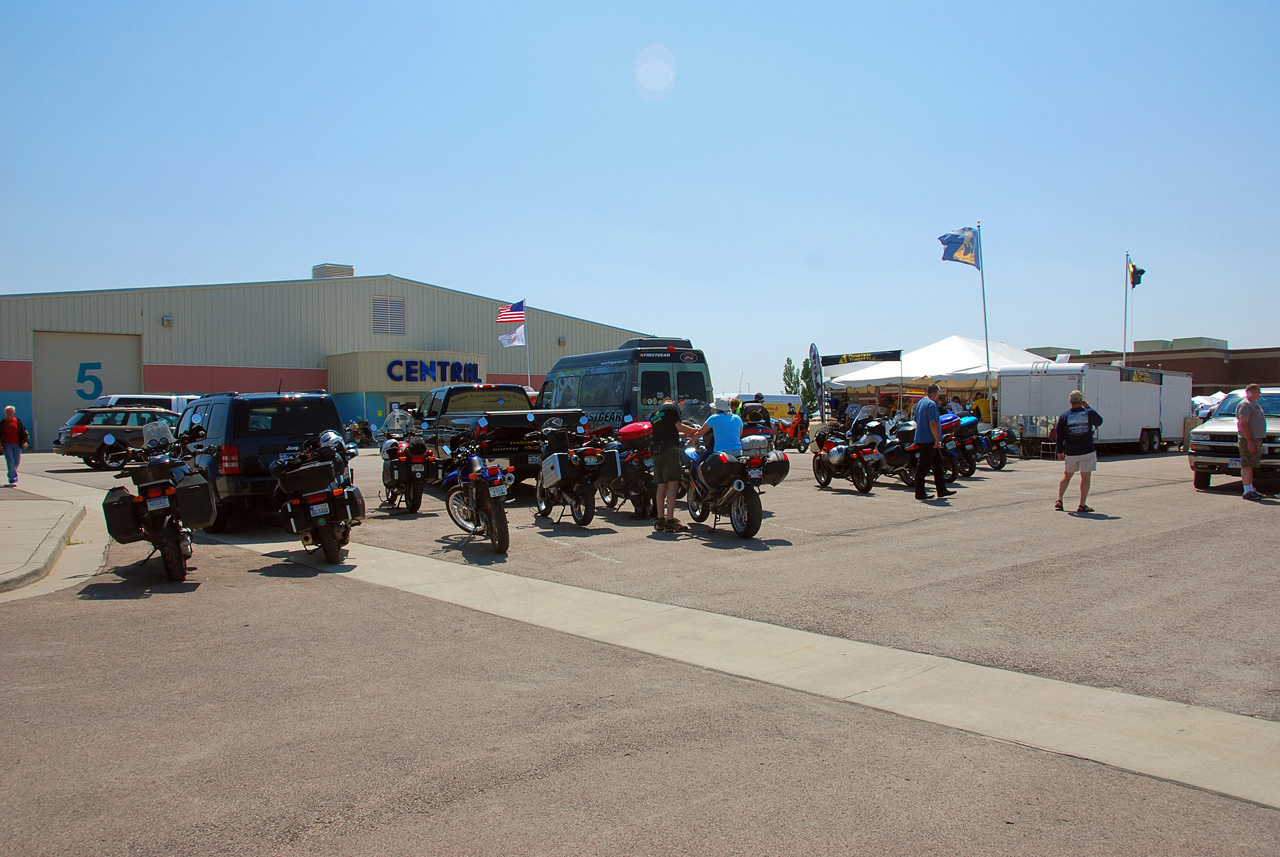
(148, 556)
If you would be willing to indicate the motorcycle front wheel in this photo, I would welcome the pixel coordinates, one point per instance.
(329, 544)
(997, 458)
(495, 524)
(950, 472)
(175, 564)
(746, 513)
(583, 505)
(821, 471)
(699, 510)
(607, 496)
(541, 499)
(966, 465)
(463, 517)
(862, 478)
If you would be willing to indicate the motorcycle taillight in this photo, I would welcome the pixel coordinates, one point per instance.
(230, 460)
(494, 471)
(417, 459)
(317, 498)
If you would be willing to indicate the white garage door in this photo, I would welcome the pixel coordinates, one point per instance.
(73, 369)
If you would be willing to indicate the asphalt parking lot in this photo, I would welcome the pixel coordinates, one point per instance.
(267, 707)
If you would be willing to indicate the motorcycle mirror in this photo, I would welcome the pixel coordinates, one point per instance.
(109, 439)
(352, 450)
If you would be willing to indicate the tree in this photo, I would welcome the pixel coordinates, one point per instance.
(800, 383)
(790, 379)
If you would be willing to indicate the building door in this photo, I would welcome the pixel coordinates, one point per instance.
(72, 369)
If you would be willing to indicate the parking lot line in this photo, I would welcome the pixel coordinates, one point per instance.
(1200, 747)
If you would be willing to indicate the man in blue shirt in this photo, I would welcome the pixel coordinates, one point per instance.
(1075, 446)
(928, 436)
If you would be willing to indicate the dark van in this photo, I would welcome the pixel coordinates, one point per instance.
(631, 381)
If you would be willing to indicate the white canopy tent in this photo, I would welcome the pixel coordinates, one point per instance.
(957, 362)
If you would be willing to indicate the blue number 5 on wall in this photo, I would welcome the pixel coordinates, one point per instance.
(85, 377)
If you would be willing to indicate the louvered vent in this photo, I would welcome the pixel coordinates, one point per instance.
(320, 272)
(388, 316)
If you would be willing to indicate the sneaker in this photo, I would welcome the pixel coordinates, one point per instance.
(1253, 495)
(674, 526)
(660, 525)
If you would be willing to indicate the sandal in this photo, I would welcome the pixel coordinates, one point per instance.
(1084, 509)
(1057, 506)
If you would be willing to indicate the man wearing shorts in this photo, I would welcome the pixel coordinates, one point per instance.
(1075, 447)
(665, 446)
(1251, 422)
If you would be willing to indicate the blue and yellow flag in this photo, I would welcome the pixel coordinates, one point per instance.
(961, 245)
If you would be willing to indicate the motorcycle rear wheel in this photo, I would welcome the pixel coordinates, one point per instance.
(746, 514)
(583, 505)
(998, 458)
(413, 499)
(949, 469)
(863, 479)
(908, 474)
(329, 543)
(495, 524)
(175, 564)
(821, 471)
(804, 443)
(455, 503)
(967, 466)
(607, 496)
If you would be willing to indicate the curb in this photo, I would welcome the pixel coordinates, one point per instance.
(47, 554)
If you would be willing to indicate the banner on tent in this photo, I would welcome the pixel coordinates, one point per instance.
(864, 357)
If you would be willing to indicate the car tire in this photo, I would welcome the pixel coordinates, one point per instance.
(1201, 480)
(221, 519)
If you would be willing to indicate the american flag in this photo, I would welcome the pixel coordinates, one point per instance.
(511, 312)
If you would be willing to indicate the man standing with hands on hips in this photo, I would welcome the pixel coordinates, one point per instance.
(928, 436)
(1075, 447)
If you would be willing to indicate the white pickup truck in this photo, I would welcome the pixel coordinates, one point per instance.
(1215, 444)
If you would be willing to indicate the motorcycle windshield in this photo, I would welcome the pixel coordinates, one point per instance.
(692, 411)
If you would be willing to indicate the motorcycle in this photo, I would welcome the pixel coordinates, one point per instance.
(963, 431)
(319, 502)
(634, 479)
(569, 473)
(407, 464)
(473, 494)
(732, 485)
(836, 456)
(361, 433)
(174, 496)
(997, 442)
(793, 432)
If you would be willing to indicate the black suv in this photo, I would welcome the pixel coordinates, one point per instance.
(244, 433)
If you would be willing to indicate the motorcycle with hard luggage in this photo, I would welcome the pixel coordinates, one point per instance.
(318, 500)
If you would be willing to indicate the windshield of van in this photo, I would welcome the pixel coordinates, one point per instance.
(479, 401)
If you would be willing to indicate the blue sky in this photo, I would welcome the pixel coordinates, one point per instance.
(787, 185)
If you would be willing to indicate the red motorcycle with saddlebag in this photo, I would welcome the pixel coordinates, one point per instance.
(835, 456)
(634, 479)
(318, 500)
(734, 483)
(407, 464)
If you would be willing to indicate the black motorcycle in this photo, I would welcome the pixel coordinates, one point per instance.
(732, 484)
(174, 496)
(474, 492)
(634, 472)
(319, 503)
(407, 463)
(571, 465)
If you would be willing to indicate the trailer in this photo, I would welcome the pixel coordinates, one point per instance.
(1145, 407)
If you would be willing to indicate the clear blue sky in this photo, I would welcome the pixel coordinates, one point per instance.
(787, 185)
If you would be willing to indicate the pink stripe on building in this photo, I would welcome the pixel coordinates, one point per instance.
(15, 376)
(170, 378)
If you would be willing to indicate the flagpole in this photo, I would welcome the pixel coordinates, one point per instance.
(528, 376)
(1124, 345)
(982, 272)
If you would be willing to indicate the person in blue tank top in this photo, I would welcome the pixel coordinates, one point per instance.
(726, 433)
(928, 436)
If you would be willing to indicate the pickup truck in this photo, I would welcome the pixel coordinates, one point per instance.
(1215, 444)
(449, 414)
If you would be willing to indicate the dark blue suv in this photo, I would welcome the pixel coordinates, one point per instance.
(244, 433)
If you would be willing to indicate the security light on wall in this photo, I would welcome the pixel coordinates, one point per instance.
(166, 321)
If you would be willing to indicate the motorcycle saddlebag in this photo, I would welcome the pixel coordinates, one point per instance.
(308, 479)
(720, 468)
(196, 502)
(557, 468)
(907, 433)
(776, 468)
(610, 466)
(635, 435)
(117, 509)
(355, 503)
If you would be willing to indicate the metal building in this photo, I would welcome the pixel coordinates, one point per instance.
(371, 341)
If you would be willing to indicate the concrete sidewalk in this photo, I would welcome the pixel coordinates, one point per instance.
(33, 531)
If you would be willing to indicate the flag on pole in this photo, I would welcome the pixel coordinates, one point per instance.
(515, 337)
(961, 245)
(511, 312)
(1135, 274)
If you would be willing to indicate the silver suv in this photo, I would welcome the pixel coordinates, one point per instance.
(1215, 444)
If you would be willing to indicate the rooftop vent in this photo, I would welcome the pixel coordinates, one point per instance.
(320, 272)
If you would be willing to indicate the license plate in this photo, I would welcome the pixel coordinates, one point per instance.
(319, 509)
(754, 472)
(497, 490)
(589, 459)
(156, 503)
(648, 462)
(1233, 462)
(534, 459)
(951, 444)
(419, 468)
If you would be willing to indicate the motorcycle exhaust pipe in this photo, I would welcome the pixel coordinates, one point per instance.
(739, 485)
(509, 478)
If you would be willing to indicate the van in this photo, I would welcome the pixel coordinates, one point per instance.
(145, 400)
(632, 381)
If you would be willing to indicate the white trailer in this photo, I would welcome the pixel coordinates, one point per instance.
(1139, 406)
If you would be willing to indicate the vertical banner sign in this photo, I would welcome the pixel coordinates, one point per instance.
(815, 367)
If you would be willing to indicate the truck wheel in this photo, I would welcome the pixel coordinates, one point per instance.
(1200, 480)
(221, 519)
(1144, 442)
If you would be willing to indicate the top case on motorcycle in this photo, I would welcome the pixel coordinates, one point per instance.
(907, 433)
(968, 426)
(196, 501)
(635, 435)
(308, 479)
(117, 509)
